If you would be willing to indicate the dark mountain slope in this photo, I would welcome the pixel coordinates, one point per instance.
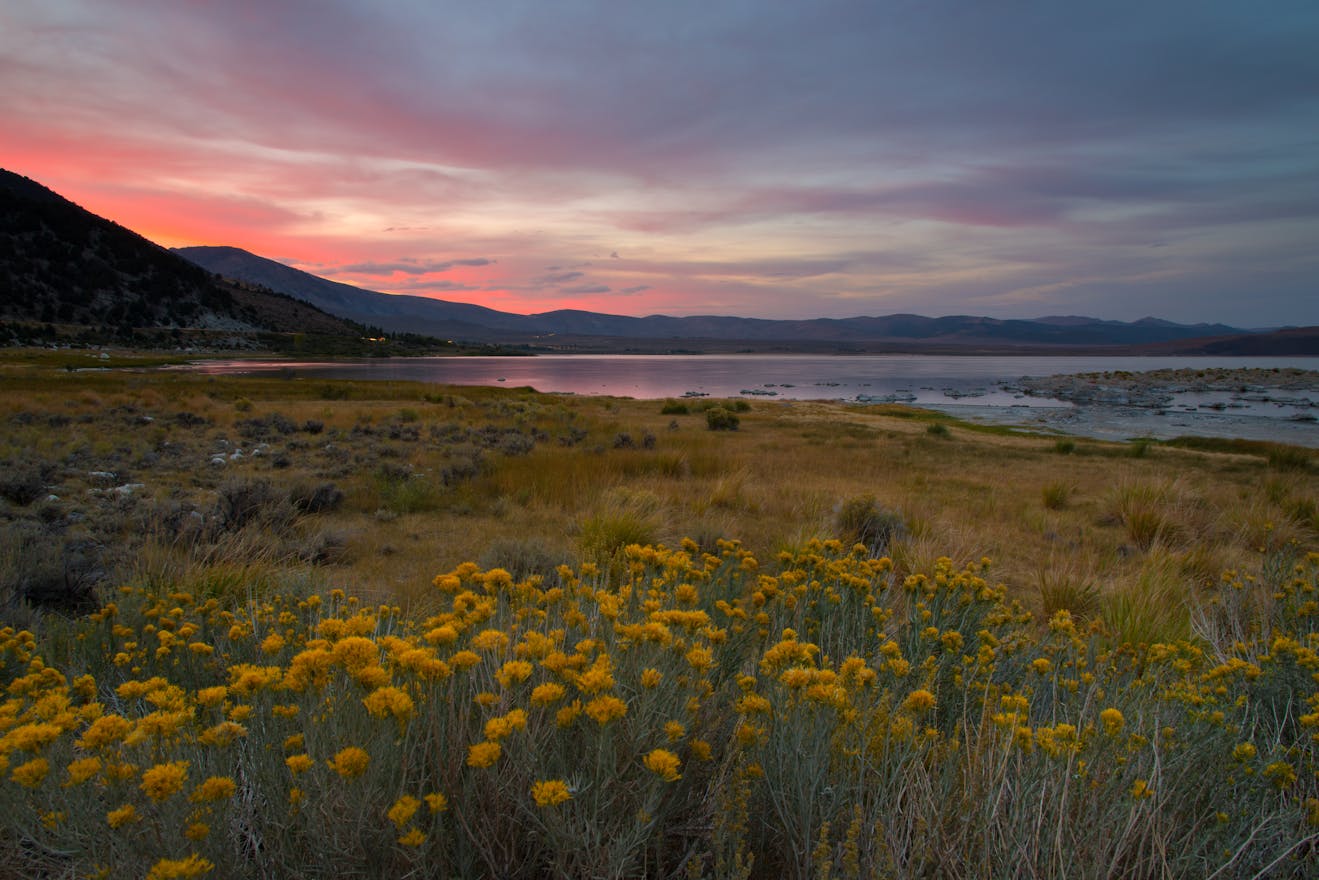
(61, 264)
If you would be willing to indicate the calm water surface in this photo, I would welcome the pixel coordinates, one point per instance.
(925, 380)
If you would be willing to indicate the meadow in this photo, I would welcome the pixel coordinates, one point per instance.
(284, 627)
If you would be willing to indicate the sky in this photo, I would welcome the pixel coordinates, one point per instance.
(760, 158)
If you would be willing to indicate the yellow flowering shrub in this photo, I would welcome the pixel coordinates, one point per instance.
(483, 754)
(403, 810)
(350, 762)
(175, 869)
(664, 764)
(775, 687)
(390, 701)
(550, 792)
(606, 709)
(1112, 721)
(164, 780)
(215, 788)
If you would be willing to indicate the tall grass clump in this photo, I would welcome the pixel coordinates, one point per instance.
(862, 520)
(1146, 511)
(1056, 495)
(674, 408)
(1288, 458)
(602, 538)
(705, 714)
(720, 419)
(1066, 591)
(401, 491)
(1154, 608)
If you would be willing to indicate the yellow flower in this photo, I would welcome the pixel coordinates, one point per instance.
(372, 676)
(424, 663)
(299, 763)
(215, 788)
(122, 816)
(664, 764)
(483, 754)
(1112, 720)
(355, 653)
(350, 762)
(606, 709)
(918, 701)
(1243, 752)
(1140, 789)
(175, 869)
(701, 750)
(197, 831)
(490, 640)
(545, 694)
(651, 678)
(1282, 773)
(568, 714)
(674, 731)
(513, 672)
(104, 731)
(223, 733)
(550, 792)
(498, 728)
(31, 773)
(465, 659)
(30, 737)
(752, 704)
(164, 780)
(442, 635)
(413, 838)
(119, 771)
(598, 678)
(700, 658)
(272, 644)
(386, 701)
(1041, 665)
(83, 769)
(212, 695)
(436, 802)
(403, 810)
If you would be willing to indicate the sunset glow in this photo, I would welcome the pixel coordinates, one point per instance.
(775, 159)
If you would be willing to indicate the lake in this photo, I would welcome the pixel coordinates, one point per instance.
(964, 385)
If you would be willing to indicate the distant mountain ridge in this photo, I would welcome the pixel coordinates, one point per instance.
(399, 313)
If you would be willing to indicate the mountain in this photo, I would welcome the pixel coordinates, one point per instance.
(574, 328)
(61, 264)
(397, 314)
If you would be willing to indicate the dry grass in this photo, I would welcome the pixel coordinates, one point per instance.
(433, 476)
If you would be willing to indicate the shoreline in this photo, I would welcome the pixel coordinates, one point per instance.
(1279, 405)
(1117, 423)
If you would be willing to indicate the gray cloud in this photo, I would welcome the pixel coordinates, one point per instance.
(585, 288)
(436, 285)
(411, 267)
(557, 278)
